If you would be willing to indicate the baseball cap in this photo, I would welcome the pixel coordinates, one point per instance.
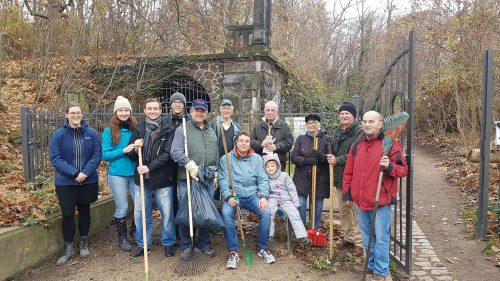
(199, 103)
(226, 102)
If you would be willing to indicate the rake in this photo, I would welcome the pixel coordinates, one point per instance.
(393, 125)
(198, 262)
(248, 254)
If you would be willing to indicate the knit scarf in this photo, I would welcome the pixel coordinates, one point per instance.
(153, 128)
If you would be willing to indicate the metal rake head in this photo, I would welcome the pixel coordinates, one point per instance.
(197, 265)
(393, 125)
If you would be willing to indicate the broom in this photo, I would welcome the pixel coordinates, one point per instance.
(197, 262)
(248, 254)
(143, 215)
(393, 125)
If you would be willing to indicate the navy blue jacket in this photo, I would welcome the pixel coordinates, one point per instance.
(65, 159)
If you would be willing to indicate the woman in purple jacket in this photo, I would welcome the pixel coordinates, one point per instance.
(75, 154)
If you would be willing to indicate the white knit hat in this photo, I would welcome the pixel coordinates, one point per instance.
(122, 102)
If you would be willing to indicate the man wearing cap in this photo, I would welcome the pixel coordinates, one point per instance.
(231, 130)
(272, 135)
(177, 110)
(344, 136)
(202, 149)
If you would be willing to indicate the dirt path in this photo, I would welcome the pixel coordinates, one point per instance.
(437, 209)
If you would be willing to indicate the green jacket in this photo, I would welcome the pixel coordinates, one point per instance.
(342, 141)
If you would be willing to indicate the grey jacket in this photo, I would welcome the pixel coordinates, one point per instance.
(281, 186)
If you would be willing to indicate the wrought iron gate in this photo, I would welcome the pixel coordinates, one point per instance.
(396, 93)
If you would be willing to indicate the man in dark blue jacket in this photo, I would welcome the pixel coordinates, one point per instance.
(155, 137)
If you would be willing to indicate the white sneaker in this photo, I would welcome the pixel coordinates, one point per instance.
(268, 257)
(233, 260)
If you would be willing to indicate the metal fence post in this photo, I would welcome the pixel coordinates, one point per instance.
(27, 142)
(484, 166)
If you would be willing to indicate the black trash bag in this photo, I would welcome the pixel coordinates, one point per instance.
(205, 214)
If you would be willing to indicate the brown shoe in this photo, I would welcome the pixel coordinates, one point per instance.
(361, 269)
(346, 245)
(357, 251)
(376, 277)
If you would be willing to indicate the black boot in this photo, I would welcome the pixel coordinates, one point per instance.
(121, 229)
(84, 247)
(67, 254)
(132, 230)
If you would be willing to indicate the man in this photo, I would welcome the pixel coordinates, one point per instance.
(364, 161)
(272, 135)
(231, 129)
(177, 110)
(202, 149)
(155, 137)
(251, 186)
(344, 136)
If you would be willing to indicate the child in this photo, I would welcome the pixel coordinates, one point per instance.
(282, 193)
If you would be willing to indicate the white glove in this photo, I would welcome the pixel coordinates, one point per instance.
(192, 168)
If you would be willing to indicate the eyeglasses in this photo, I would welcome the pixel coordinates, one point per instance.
(369, 122)
(310, 123)
(74, 113)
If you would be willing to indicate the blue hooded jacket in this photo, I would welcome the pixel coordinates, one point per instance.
(65, 144)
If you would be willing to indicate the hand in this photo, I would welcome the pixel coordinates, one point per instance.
(129, 148)
(263, 204)
(315, 153)
(330, 158)
(348, 203)
(384, 161)
(309, 161)
(271, 147)
(81, 177)
(142, 170)
(232, 202)
(296, 206)
(192, 169)
(139, 142)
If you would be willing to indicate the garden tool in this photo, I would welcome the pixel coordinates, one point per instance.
(143, 215)
(248, 254)
(332, 200)
(198, 262)
(393, 125)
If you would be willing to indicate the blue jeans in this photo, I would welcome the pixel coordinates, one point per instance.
(121, 186)
(203, 240)
(379, 255)
(303, 211)
(164, 202)
(250, 203)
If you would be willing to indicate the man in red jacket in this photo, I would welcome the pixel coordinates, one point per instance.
(361, 174)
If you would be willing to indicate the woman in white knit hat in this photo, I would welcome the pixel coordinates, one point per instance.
(121, 169)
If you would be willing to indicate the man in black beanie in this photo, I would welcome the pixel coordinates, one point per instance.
(177, 110)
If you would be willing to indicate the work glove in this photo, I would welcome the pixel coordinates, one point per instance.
(192, 169)
(320, 156)
(309, 161)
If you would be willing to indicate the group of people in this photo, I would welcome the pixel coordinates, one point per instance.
(250, 176)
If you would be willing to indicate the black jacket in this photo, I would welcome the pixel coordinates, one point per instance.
(280, 131)
(161, 167)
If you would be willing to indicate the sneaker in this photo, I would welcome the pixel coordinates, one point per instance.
(357, 251)
(208, 251)
(169, 251)
(233, 260)
(377, 277)
(304, 242)
(268, 257)
(139, 252)
(187, 254)
(361, 269)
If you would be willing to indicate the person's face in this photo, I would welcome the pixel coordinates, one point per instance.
(311, 125)
(372, 124)
(243, 143)
(152, 110)
(74, 116)
(123, 114)
(199, 115)
(177, 107)
(271, 167)
(270, 112)
(346, 118)
(226, 111)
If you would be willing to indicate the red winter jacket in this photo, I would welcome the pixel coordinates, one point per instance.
(362, 171)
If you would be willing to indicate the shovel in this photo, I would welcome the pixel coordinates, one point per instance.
(248, 254)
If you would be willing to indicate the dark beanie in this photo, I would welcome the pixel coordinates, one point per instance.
(178, 96)
(347, 106)
(313, 117)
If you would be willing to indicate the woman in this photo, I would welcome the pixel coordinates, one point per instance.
(121, 169)
(304, 157)
(75, 153)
